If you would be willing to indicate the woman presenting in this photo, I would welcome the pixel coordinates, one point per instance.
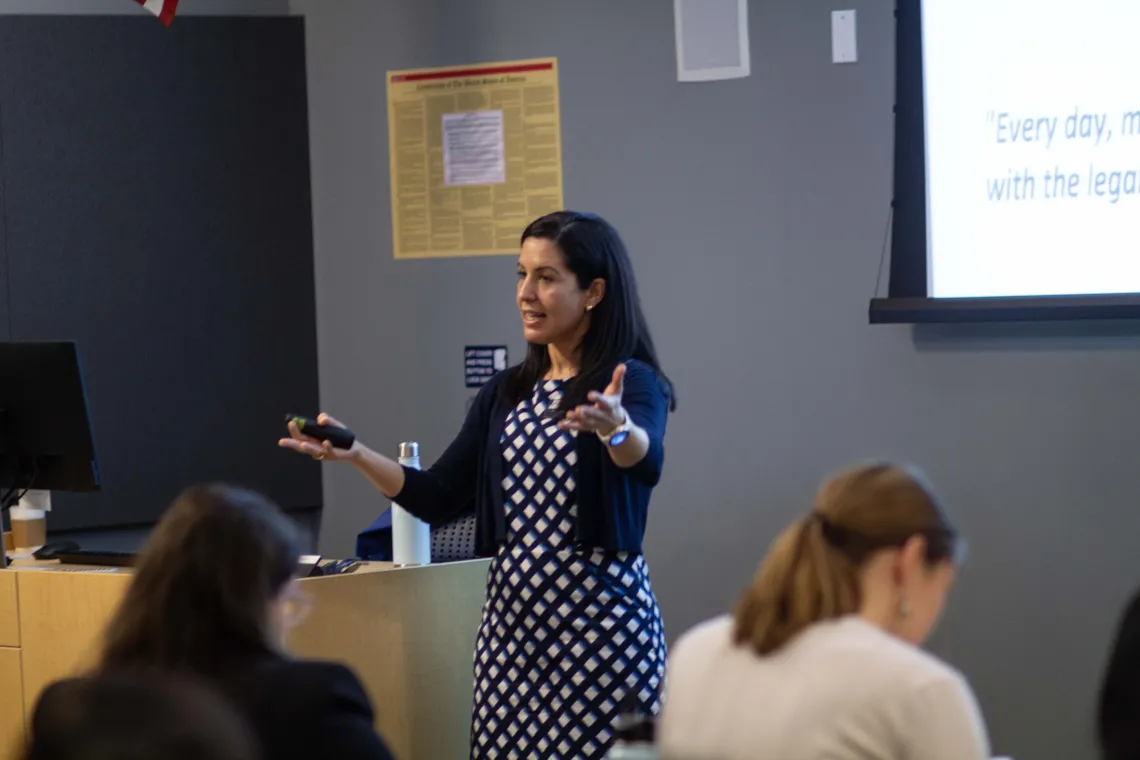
(558, 455)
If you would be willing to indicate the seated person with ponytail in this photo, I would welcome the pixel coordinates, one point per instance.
(822, 658)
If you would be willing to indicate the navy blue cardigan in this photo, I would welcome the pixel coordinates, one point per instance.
(613, 502)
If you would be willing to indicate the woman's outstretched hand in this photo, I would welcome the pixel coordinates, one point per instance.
(319, 450)
(605, 413)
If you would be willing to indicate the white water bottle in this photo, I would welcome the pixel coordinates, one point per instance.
(411, 537)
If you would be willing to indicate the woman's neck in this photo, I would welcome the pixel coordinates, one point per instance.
(563, 362)
(880, 607)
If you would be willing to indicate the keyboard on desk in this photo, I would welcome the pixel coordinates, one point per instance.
(97, 558)
(79, 569)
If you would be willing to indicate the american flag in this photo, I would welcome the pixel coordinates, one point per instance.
(164, 9)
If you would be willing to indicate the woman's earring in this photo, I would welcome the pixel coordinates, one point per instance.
(904, 607)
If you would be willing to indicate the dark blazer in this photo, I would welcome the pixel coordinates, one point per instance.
(306, 709)
(613, 503)
(294, 709)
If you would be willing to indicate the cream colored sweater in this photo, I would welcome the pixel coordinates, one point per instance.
(841, 690)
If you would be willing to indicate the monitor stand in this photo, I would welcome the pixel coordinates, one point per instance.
(9, 497)
(5, 503)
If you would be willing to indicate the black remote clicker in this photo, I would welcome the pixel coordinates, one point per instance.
(340, 437)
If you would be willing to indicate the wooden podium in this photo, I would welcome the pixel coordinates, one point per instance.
(408, 633)
(410, 636)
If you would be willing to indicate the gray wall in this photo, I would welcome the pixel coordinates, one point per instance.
(755, 210)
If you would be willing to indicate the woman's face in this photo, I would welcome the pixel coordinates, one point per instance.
(553, 307)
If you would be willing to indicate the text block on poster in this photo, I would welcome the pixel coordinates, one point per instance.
(475, 155)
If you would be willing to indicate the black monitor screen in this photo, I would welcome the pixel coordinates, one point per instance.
(46, 441)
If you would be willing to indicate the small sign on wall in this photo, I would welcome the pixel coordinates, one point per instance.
(481, 362)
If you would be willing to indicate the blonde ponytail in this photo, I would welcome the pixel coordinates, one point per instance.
(803, 580)
(811, 572)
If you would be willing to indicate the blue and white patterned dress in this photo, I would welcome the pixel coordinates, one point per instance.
(568, 633)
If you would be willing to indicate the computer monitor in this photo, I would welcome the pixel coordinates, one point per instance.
(46, 442)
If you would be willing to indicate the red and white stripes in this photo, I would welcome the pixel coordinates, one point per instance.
(164, 9)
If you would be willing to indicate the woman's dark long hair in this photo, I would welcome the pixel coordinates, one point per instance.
(200, 599)
(1118, 711)
(618, 330)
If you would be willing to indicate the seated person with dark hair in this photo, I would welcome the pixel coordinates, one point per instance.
(213, 594)
(1118, 711)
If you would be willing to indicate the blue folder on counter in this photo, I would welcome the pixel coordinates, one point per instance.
(375, 542)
